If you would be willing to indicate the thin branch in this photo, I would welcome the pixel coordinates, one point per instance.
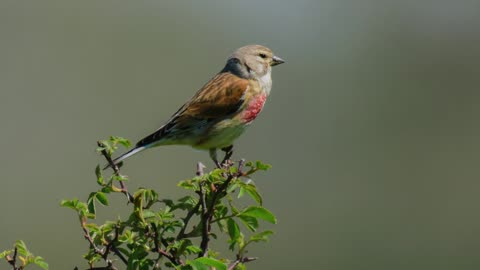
(116, 170)
(207, 213)
(186, 219)
(105, 252)
(241, 260)
(13, 260)
(167, 255)
(205, 225)
(111, 246)
(90, 240)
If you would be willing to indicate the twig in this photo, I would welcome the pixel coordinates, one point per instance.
(90, 240)
(204, 218)
(241, 260)
(207, 213)
(104, 253)
(167, 255)
(13, 260)
(186, 219)
(116, 170)
(111, 246)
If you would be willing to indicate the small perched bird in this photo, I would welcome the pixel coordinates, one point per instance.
(222, 109)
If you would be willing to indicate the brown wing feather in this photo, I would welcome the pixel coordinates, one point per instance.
(220, 97)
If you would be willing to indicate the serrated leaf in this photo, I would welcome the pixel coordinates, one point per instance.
(211, 262)
(102, 198)
(259, 212)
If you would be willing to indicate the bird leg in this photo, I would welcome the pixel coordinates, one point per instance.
(213, 156)
(228, 153)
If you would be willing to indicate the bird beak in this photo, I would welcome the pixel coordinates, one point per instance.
(276, 61)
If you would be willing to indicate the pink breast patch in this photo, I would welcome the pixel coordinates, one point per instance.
(254, 108)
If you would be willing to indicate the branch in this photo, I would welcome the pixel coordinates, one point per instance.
(167, 255)
(13, 260)
(104, 253)
(207, 213)
(111, 246)
(186, 219)
(241, 260)
(116, 170)
(204, 218)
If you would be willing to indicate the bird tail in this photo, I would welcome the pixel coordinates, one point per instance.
(126, 155)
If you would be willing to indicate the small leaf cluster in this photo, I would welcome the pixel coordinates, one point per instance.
(161, 233)
(20, 257)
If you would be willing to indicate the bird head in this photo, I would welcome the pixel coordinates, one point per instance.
(252, 62)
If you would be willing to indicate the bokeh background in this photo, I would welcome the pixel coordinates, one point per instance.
(372, 127)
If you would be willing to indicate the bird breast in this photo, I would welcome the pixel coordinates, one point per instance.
(254, 108)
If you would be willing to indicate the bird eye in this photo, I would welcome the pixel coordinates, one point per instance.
(262, 55)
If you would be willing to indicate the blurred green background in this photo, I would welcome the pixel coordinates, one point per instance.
(372, 127)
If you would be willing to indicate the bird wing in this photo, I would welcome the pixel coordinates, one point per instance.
(222, 96)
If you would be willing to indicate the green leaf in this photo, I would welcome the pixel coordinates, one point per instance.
(262, 166)
(119, 140)
(22, 248)
(250, 222)
(259, 212)
(68, 203)
(98, 173)
(40, 262)
(241, 192)
(211, 262)
(251, 190)
(102, 198)
(263, 236)
(187, 184)
(5, 253)
(233, 229)
(194, 249)
(119, 178)
(91, 203)
(197, 265)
